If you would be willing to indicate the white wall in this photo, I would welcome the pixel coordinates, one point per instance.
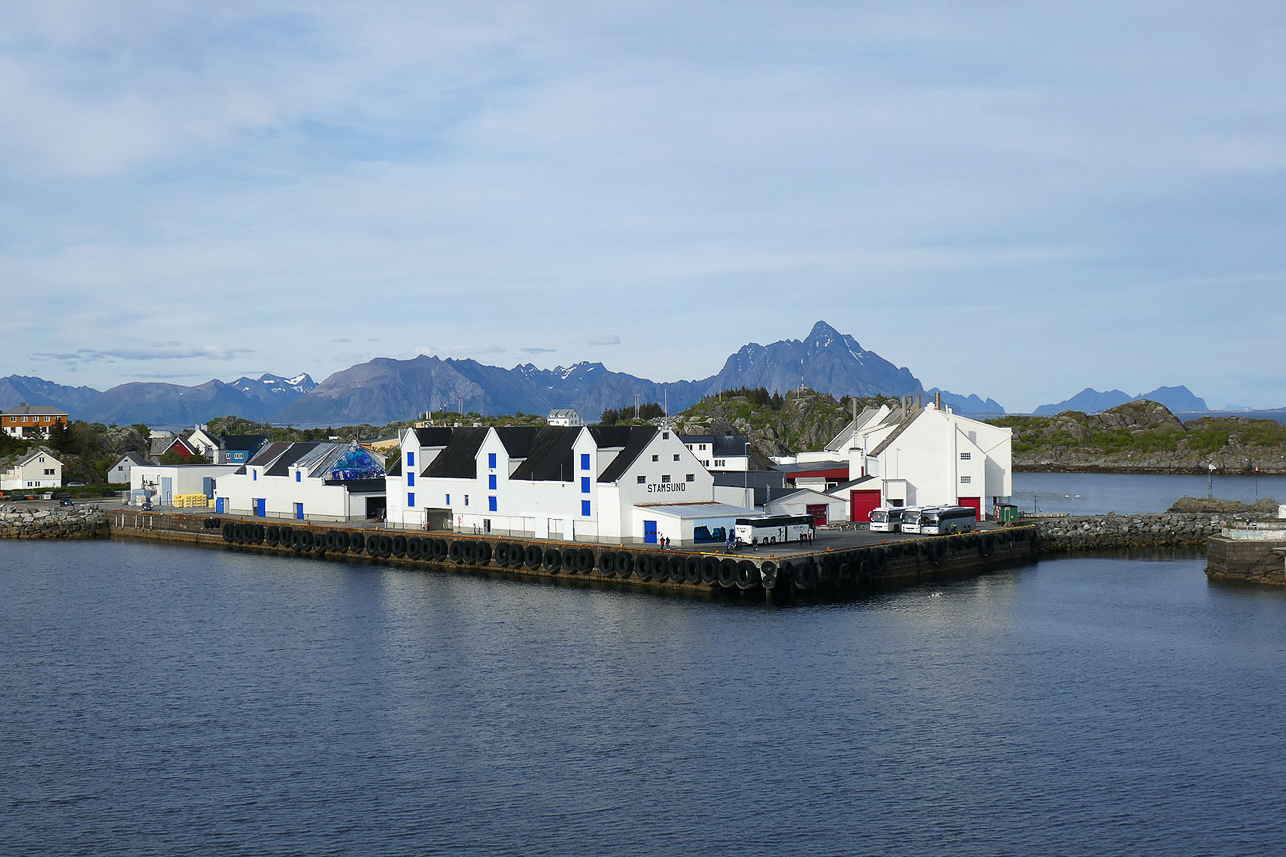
(184, 478)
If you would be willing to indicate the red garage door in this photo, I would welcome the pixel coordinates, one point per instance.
(860, 504)
(974, 503)
(819, 514)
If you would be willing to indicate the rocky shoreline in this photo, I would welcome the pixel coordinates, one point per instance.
(81, 522)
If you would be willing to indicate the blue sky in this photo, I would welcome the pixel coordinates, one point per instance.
(1011, 199)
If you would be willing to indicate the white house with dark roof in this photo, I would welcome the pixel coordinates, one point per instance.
(545, 482)
(118, 473)
(307, 480)
(565, 417)
(37, 468)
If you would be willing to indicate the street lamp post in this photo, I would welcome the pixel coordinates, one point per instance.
(1210, 488)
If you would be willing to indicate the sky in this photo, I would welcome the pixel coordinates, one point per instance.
(1014, 199)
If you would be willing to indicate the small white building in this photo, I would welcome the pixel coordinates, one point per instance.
(37, 468)
(564, 417)
(720, 453)
(118, 473)
(161, 483)
(558, 482)
(822, 508)
(206, 444)
(317, 480)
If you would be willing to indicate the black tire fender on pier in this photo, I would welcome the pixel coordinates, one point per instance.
(483, 554)
(768, 574)
(585, 560)
(413, 546)
(643, 566)
(628, 563)
(939, 552)
(675, 566)
(456, 552)
(709, 570)
(399, 545)
(880, 559)
(607, 564)
(257, 535)
(552, 560)
(502, 554)
(272, 536)
(570, 560)
(692, 569)
(806, 575)
(533, 556)
(469, 552)
(356, 541)
(727, 573)
(747, 574)
(988, 546)
(228, 532)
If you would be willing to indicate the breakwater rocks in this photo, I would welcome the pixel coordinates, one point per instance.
(81, 522)
(1114, 532)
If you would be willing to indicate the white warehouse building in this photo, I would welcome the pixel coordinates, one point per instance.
(588, 482)
(305, 480)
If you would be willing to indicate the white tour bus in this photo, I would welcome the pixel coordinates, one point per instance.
(912, 516)
(948, 519)
(887, 519)
(771, 529)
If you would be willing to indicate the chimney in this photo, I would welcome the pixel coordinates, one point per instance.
(937, 401)
(918, 401)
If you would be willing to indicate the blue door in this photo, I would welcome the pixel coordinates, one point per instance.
(299, 511)
(261, 507)
(218, 505)
(649, 532)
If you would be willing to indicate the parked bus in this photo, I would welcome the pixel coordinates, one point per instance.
(948, 519)
(771, 529)
(911, 517)
(887, 519)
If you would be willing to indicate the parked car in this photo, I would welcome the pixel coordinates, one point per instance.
(65, 502)
(75, 484)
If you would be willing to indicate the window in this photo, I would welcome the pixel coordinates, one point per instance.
(491, 460)
(491, 504)
(676, 456)
(410, 499)
(49, 471)
(448, 499)
(466, 499)
(721, 462)
(665, 435)
(410, 480)
(665, 477)
(965, 480)
(410, 459)
(642, 480)
(656, 458)
(584, 508)
(584, 461)
(691, 477)
(965, 456)
(584, 484)
(299, 476)
(254, 475)
(491, 481)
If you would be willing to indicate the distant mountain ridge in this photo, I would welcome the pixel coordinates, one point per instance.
(384, 390)
(1091, 401)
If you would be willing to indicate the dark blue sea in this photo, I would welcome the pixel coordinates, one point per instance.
(169, 700)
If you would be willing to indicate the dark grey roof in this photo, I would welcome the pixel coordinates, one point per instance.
(634, 440)
(394, 469)
(459, 458)
(433, 435)
(518, 439)
(25, 409)
(266, 453)
(809, 466)
(241, 441)
(549, 458)
(360, 486)
(293, 452)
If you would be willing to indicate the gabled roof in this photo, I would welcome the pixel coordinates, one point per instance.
(291, 454)
(241, 441)
(803, 493)
(459, 458)
(433, 435)
(632, 439)
(158, 446)
(133, 457)
(517, 440)
(563, 412)
(35, 452)
(25, 409)
(549, 457)
(910, 417)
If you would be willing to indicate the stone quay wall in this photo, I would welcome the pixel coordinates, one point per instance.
(1116, 532)
(1259, 561)
(77, 523)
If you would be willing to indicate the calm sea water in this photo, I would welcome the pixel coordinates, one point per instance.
(169, 700)
(1099, 493)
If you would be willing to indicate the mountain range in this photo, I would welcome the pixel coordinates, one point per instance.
(1090, 401)
(383, 390)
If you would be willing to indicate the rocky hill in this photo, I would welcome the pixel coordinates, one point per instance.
(1145, 437)
(776, 424)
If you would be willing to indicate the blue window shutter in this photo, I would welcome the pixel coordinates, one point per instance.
(410, 480)
(584, 484)
(491, 504)
(584, 461)
(491, 481)
(410, 459)
(584, 508)
(448, 499)
(491, 459)
(410, 500)
(299, 477)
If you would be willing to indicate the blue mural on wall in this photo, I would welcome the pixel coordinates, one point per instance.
(356, 463)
